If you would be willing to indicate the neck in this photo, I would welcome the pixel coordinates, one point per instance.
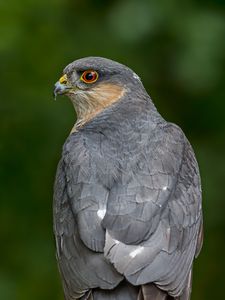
(89, 103)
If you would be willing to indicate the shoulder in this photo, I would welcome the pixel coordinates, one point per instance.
(176, 137)
(166, 138)
(172, 140)
(76, 148)
(173, 132)
(83, 157)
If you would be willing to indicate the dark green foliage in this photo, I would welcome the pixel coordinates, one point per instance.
(177, 48)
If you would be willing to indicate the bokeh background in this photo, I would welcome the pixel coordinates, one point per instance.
(178, 49)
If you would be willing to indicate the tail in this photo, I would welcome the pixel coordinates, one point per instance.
(151, 292)
(126, 291)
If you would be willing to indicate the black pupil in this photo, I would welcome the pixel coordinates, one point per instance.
(89, 76)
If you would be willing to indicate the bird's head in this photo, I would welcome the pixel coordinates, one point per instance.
(94, 83)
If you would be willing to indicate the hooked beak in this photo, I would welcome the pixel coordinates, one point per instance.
(61, 86)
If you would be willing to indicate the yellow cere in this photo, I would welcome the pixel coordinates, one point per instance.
(63, 79)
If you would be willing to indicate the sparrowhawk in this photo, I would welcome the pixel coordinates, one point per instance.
(127, 194)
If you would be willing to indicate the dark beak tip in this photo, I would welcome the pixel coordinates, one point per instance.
(54, 95)
(55, 92)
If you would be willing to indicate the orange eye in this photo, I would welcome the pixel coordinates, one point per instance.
(89, 76)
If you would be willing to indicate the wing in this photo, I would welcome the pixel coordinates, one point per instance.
(77, 226)
(153, 216)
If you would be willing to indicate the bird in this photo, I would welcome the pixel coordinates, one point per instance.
(127, 205)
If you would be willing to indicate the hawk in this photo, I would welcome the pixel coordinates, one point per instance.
(127, 194)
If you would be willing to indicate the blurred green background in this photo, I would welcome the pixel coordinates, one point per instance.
(178, 49)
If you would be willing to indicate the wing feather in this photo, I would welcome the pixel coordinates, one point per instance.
(153, 221)
(80, 267)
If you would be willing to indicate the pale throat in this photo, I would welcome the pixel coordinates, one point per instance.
(89, 103)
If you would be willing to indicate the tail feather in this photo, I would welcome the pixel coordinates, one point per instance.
(151, 292)
(126, 291)
(187, 291)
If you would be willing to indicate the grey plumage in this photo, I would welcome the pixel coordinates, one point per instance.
(127, 199)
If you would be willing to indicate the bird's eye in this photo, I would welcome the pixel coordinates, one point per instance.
(89, 76)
